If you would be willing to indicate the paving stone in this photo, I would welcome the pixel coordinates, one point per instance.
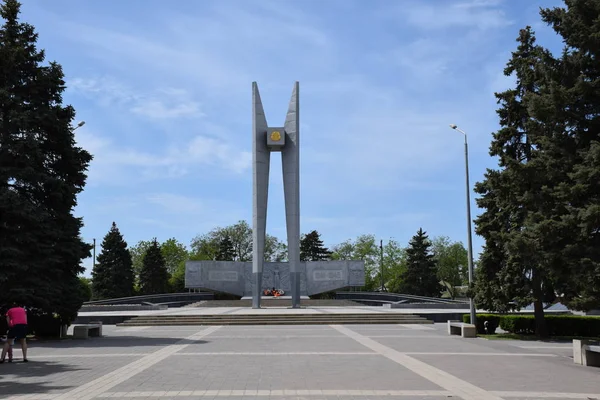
(533, 374)
(285, 372)
(296, 362)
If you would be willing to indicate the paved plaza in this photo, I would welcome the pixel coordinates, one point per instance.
(296, 362)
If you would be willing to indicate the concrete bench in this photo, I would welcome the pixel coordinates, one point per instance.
(84, 331)
(462, 329)
(586, 353)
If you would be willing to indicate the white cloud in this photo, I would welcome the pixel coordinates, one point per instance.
(164, 103)
(115, 164)
(478, 14)
(156, 109)
(221, 46)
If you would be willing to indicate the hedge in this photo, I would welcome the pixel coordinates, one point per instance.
(558, 325)
(493, 322)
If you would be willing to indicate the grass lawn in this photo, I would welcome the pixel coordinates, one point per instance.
(514, 336)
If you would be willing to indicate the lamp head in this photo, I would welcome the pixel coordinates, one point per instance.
(80, 124)
(453, 126)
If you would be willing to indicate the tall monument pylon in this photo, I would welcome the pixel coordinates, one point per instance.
(265, 140)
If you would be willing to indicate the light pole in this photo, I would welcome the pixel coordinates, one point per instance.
(469, 235)
(381, 264)
(79, 125)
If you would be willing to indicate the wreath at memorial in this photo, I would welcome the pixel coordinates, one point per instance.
(273, 292)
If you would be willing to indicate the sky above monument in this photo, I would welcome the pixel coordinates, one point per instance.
(165, 90)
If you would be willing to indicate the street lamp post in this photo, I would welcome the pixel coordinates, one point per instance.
(79, 125)
(469, 235)
(381, 264)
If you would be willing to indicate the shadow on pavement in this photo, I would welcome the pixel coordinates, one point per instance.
(109, 341)
(33, 369)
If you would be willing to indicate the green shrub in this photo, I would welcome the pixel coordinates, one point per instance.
(558, 325)
(519, 324)
(493, 322)
(573, 325)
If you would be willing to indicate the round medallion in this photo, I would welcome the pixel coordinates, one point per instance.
(275, 136)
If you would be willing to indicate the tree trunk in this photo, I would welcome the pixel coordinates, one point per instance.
(541, 330)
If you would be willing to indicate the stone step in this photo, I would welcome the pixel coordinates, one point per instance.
(271, 322)
(171, 320)
(271, 302)
(286, 315)
(276, 319)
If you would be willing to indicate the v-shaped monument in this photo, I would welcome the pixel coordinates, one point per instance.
(300, 279)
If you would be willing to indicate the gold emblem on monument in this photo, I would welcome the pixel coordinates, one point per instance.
(275, 136)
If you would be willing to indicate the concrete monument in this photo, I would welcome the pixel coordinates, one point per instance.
(293, 277)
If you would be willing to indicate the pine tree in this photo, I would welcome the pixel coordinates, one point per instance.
(541, 221)
(571, 112)
(154, 277)
(112, 276)
(312, 248)
(420, 276)
(513, 271)
(41, 174)
(225, 252)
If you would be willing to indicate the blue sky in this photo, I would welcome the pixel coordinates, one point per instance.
(165, 90)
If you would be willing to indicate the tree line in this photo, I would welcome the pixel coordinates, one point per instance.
(424, 267)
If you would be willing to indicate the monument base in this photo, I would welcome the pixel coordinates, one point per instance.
(295, 283)
(237, 278)
(257, 283)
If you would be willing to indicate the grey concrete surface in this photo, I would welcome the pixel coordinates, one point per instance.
(289, 362)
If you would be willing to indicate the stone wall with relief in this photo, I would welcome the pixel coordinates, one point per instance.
(236, 277)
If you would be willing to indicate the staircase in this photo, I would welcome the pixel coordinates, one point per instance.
(271, 302)
(277, 319)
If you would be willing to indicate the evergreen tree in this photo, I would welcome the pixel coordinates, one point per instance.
(41, 174)
(513, 270)
(541, 220)
(112, 275)
(225, 252)
(420, 276)
(154, 277)
(312, 249)
(571, 113)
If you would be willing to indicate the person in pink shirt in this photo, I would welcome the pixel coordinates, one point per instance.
(17, 330)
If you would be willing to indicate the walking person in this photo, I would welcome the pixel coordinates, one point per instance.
(17, 330)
